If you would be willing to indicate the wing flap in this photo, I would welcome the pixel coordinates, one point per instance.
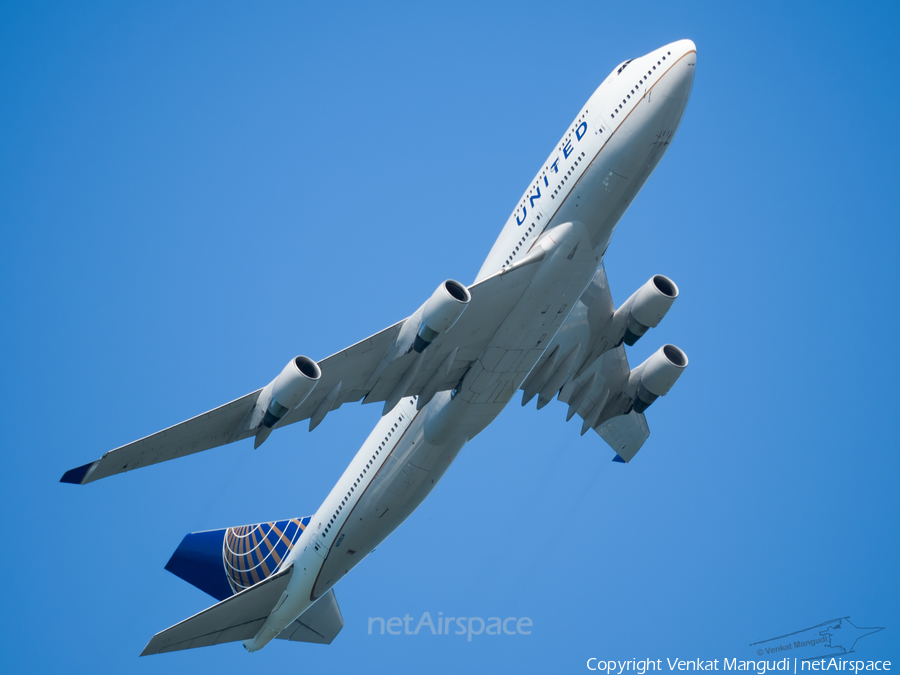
(236, 618)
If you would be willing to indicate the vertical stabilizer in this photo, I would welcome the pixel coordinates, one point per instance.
(228, 561)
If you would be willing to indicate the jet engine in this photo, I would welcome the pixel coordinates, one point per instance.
(657, 375)
(441, 311)
(648, 306)
(292, 386)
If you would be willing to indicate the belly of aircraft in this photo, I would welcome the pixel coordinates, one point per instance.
(615, 177)
(410, 473)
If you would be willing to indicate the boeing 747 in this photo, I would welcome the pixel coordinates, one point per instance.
(539, 317)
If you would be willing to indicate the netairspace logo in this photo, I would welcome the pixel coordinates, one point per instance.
(450, 625)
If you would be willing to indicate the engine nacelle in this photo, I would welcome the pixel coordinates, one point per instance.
(648, 306)
(442, 310)
(292, 386)
(657, 375)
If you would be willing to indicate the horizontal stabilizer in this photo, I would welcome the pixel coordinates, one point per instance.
(320, 623)
(237, 618)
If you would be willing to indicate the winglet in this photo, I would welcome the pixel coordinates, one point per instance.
(617, 458)
(76, 476)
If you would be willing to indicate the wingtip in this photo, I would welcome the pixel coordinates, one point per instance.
(619, 459)
(76, 476)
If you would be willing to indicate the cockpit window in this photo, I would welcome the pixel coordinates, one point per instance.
(623, 66)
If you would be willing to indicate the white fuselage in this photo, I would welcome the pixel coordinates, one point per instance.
(576, 199)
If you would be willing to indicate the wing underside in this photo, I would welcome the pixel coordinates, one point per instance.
(596, 378)
(355, 373)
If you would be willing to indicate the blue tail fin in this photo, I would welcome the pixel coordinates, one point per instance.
(225, 562)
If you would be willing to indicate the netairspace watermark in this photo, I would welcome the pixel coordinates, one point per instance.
(450, 625)
(761, 667)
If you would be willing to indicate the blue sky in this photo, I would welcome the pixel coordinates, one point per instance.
(193, 193)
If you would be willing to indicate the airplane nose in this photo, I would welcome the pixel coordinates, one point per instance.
(680, 78)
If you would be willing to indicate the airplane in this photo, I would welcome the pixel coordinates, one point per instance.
(539, 318)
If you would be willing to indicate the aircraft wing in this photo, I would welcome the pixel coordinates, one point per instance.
(356, 368)
(209, 430)
(625, 433)
(595, 380)
(363, 370)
